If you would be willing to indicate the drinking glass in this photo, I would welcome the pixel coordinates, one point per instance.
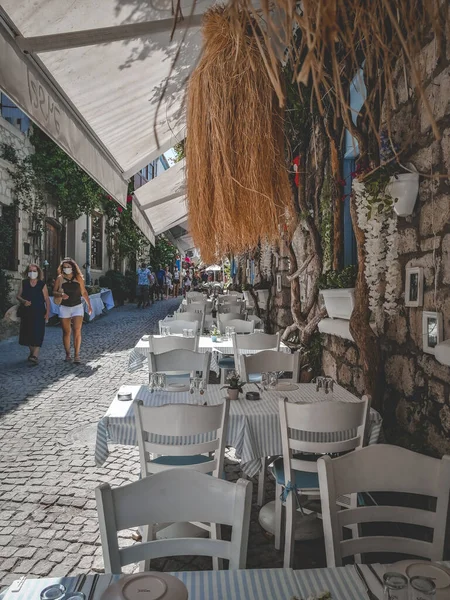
(227, 333)
(273, 379)
(422, 588)
(258, 330)
(163, 330)
(167, 330)
(264, 380)
(53, 592)
(185, 332)
(162, 381)
(190, 333)
(232, 330)
(395, 586)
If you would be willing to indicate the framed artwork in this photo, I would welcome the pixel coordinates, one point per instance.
(279, 283)
(431, 330)
(414, 286)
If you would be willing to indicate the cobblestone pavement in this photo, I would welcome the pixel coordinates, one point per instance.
(48, 418)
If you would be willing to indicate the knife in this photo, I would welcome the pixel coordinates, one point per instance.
(369, 592)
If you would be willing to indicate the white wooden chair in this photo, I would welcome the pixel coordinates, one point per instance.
(205, 307)
(224, 318)
(256, 319)
(172, 342)
(240, 325)
(180, 364)
(263, 298)
(178, 324)
(231, 307)
(192, 317)
(249, 300)
(233, 294)
(383, 468)
(252, 365)
(181, 422)
(194, 297)
(174, 496)
(296, 472)
(254, 342)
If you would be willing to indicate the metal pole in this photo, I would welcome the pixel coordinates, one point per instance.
(88, 250)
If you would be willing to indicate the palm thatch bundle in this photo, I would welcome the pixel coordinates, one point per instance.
(328, 42)
(238, 189)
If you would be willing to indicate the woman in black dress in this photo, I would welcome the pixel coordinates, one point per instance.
(70, 287)
(35, 311)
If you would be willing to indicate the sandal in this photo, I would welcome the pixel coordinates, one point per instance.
(33, 360)
(76, 360)
(68, 358)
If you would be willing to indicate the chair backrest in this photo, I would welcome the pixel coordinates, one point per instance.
(240, 325)
(184, 423)
(174, 496)
(181, 361)
(255, 341)
(194, 297)
(172, 342)
(384, 468)
(231, 307)
(229, 317)
(270, 360)
(255, 318)
(235, 294)
(248, 299)
(346, 419)
(205, 307)
(189, 316)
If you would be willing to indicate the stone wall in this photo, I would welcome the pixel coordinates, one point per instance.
(417, 386)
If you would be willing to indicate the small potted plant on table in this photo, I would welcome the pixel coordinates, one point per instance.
(234, 386)
(214, 334)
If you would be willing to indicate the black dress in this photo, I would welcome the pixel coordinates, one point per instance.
(32, 322)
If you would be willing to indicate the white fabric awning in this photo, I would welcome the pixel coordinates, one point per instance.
(163, 200)
(92, 74)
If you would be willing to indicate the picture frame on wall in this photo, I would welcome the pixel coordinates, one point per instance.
(414, 287)
(432, 330)
(279, 288)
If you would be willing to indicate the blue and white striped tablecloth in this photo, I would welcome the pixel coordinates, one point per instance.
(253, 427)
(139, 354)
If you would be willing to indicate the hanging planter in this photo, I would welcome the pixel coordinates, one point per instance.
(339, 302)
(403, 188)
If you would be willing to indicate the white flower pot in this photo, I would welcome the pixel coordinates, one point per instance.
(404, 189)
(339, 302)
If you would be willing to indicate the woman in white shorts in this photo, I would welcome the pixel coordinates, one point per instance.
(70, 287)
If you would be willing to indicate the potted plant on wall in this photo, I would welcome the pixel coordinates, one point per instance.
(403, 185)
(338, 291)
(234, 386)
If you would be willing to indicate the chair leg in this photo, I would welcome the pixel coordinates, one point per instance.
(289, 534)
(147, 536)
(262, 482)
(216, 534)
(278, 515)
(223, 376)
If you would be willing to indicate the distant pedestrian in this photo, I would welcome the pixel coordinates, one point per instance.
(70, 287)
(143, 274)
(168, 282)
(34, 311)
(161, 279)
(187, 284)
(151, 289)
(176, 282)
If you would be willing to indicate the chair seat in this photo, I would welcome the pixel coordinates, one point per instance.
(254, 378)
(226, 362)
(181, 461)
(303, 479)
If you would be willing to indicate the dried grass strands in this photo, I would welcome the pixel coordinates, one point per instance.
(338, 36)
(237, 183)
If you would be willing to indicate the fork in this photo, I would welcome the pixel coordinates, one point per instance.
(369, 592)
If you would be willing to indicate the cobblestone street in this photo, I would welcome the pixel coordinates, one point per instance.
(48, 419)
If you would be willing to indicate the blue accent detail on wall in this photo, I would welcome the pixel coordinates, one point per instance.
(350, 252)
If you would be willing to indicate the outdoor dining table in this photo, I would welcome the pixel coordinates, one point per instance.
(140, 353)
(343, 583)
(253, 426)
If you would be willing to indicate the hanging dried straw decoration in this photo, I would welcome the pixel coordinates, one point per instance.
(237, 182)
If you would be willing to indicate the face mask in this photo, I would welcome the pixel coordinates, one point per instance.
(67, 270)
(32, 274)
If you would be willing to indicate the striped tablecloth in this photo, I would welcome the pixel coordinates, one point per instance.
(139, 354)
(253, 427)
(261, 584)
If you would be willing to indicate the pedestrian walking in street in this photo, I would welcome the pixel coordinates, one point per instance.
(34, 311)
(70, 287)
(151, 289)
(168, 282)
(176, 282)
(143, 274)
(161, 280)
